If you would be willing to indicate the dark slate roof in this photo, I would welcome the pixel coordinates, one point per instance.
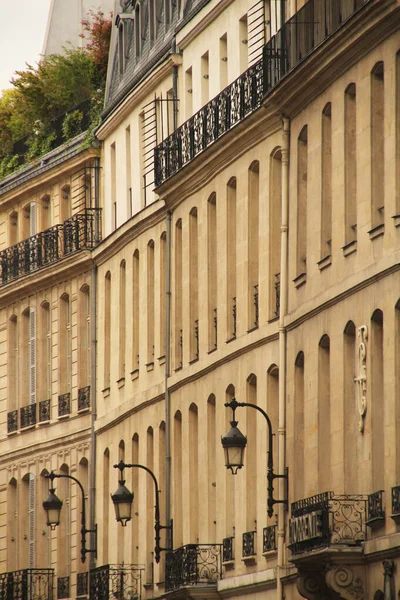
(152, 52)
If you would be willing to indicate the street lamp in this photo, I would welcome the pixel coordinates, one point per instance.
(123, 498)
(234, 443)
(52, 505)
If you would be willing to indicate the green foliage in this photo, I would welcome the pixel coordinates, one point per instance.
(44, 106)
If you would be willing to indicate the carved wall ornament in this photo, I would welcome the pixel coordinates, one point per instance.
(311, 585)
(361, 378)
(389, 592)
(346, 581)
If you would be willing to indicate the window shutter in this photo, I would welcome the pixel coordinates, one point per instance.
(32, 222)
(31, 521)
(32, 356)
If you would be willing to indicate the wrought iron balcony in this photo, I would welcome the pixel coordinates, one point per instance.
(44, 411)
(64, 404)
(81, 231)
(277, 293)
(62, 587)
(396, 501)
(27, 584)
(297, 38)
(28, 415)
(227, 549)
(376, 511)
(327, 520)
(84, 398)
(82, 584)
(194, 564)
(249, 544)
(110, 582)
(269, 538)
(12, 421)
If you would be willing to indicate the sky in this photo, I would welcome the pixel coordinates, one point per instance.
(22, 30)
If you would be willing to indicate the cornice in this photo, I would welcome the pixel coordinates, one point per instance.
(130, 102)
(129, 231)
(201, 25)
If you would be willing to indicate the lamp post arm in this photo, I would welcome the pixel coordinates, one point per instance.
(84, 531)
(157, 526)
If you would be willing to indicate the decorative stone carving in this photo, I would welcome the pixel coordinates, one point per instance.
(389, 592)
(346, 581)
(361, 379)
(311, 585)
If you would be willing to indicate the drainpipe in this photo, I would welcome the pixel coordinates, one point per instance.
(92, 475)
(282, 351)
(167, 374)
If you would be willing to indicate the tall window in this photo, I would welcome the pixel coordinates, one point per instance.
(106, 504)
(163, 291)
(243, 43)
(229, 480)
(135, 486)
(377, 400)
(12, 364)
(149, 504)
(45, 216)
(194, 284)
(122, 320)
(188, 93)
(128, 168)
(194, 471)
(177, 477)
(65, 203)
(64, 528)
(212, 271)
(350, 163)
(150, 302)
(326, 182)
(275, 218)
(13, 229)
(223, 61)
(298, 449)
(377, 146)
(12, 520)
(324, 414)
(302, 176)
(231, 258)
(28, 354)
(251, 458)
(64, 340)
(397, 385)
(253, 244)
(107, 330)
(349, 412)
(44, 339)
(113, 175)
(205, 74)
(135, 311)
(84, 339)
(212, 472)
(178, 296)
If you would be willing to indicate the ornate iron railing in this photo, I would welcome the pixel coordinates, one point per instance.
(84, 398)
(194, 564)
(196, 339)
(249, 544)
(12, 421)
(215, 325)
(234, 317)
(297, 38)
(219, 115)
(64, 404)
(269, 538)
(44, 411)
(376, 511)
(396, 500)
(28, 415)
(256, 304)
(82, 584)
(277, 293)
(62, 587)
(82, 230)
(227, 549)
(27, 584)
(327, 520)
(116, 582)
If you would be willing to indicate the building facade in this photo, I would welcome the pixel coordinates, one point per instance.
(248, 185)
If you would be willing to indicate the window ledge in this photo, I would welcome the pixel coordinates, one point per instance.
(228, 564)
(377, 231)
(325, 262)
(249, 560)
(195, 360)
(27, 427)
(270, 554)
(252, 329)
(106, 392)
(63, 417)
(134, 374)
(149, 366)
(349, 248)
(231, 339)
(81, 411)
(11, 433)
(300, 280)
(211, 351)
(161, 359)
(178, 369)
(396, 220)
(121, 382)
(47, 421)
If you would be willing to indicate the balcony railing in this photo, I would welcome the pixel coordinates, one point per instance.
(269, 538)
(27, 584)
(396, 501)
(194, 564)
(62, 587)
(82, 584)
(64, 405)
(81, 231)
(12, 421)
(297, 38)
(227, 549)
(376, 510)
(328, 520)
(28, 415)
(111, 582)
(84, 398)
(249, 544)
(44, 411)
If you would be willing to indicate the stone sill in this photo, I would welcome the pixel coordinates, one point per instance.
(300, 280)
(249, 560)
(106, 392)
(349, 248)
(150, 366)
(121, 382)
(377, 231)
(324, 262)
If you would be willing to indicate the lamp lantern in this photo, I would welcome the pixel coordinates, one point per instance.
(234, 444)
(122, 500)
(52, 505)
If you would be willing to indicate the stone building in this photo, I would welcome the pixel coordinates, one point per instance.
(249, 191)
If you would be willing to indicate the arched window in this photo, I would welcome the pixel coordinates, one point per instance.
(302, 177)
(150, 492)
(12, 530)
(13, 368)
(231, 259)
(324, 414)
(350, 163)
(177, 477)
(349, 408)
(150, 303)
(45, 212)
(64, 528)
(211, 466)
(194, 472)
(13, 228)
(106, 505)
(178, 296)
(122, 321)
(65, 203)
(107, 330)
(326, 183)
(377, 147)
(298, 446)
(135, 313)
(212, 271)
(44, 358)
(230, 512)
(84, 339)
(135, 479)
(377, 403)
(194, 284)
(251, 454)
(253, 244)
(275, 218)
(162, 271)
(64, 341)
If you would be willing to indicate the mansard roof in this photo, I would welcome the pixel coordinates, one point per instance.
(143, 35)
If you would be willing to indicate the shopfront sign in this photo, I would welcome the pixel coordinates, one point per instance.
(306, 527)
